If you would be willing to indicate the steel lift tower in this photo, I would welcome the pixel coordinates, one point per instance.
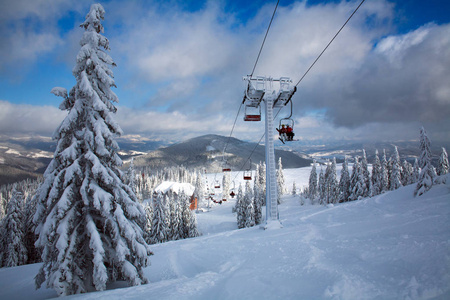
(275, 93)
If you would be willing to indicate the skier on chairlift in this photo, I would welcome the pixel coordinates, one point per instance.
(289, 133)
(282, 132)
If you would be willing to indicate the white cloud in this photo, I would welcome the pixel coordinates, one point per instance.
(187, 66)
(24, 118)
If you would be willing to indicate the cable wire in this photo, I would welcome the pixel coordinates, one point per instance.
(329, 43)
(267, 32)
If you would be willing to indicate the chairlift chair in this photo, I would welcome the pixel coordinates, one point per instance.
(248, 172)
(217, 185)
(255, 93)
(287, 122)
(252, 113)
(226, 167)
(285, 93)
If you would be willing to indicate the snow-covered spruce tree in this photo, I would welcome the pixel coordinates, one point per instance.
(384, 181)
(199, 191)
(427, 173)
(257, 202)
(416, 171)
(344, 182)
(396, 176)
(443, 163)
(376, 175)
(312, 188)
(294, 189)
(249, 209)
(33, 253)
(280, 181)
(331, 184)
(148, 208)
(159, 232)
(366, 175)
(188, 220)
(226, 180)
(89, 222)
(240, 208)
(174, 220)
(131, 176)
(321, 188)
(13, 250)
(407, 173)
(356, 181)
(262, 182)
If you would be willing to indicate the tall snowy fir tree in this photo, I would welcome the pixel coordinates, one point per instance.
(396, 176)
(416, 171)
(294, 189)
(174, 220)
(13, 251)
(148, 208)
(331, 184)
(407, 173)
(321, 192)
(344, 182)
(426, 176)
(249, 209)
(88, 220)
(131, 176)
(160, 226)
(199, 191)
(257, 199)
(384, 181)
(226, 181)
(376, 175)
(356, 182)
(367, 186)
(280, 178)
(240, 208)
(443, 163)
(312, 188)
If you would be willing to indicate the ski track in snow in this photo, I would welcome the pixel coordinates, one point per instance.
(392, 246)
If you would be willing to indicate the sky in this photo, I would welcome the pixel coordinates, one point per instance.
(180, 66)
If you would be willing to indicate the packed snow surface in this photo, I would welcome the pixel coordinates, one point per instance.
(392, 246)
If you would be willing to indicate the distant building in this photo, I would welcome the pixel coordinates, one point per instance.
(177, 188)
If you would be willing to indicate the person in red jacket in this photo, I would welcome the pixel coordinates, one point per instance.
(282, 133)
(289, 133)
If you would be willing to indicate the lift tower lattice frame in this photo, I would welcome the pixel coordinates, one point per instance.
(275, 93)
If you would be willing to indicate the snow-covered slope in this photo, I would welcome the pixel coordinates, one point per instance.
(392, 246)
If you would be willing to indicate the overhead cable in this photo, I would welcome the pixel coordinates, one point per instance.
(329, 43)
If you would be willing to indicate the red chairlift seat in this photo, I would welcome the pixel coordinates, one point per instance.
(252, 113)
(252, 118)
(226, 170)
(248, 175)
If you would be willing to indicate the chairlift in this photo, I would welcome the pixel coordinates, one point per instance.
(248, 172)
(254, 93)
(252, 114)
(226, 167)
(217, 185)
(285, 93)
(286, 128)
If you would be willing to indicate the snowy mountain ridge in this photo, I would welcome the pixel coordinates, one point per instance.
(207, 152)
